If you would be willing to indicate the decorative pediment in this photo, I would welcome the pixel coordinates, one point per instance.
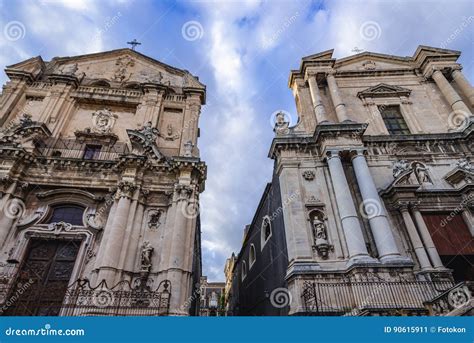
(384, 90)
(461, 175)
(25, 130)
(28, 69)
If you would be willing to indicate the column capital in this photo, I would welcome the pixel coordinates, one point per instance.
(126, 189)
(357, 152)
(333, 153)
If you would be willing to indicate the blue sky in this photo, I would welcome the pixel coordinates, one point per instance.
(243, 51)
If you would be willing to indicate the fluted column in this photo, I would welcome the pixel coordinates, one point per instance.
(339, 105)
(427, 240)
(377, 216)
(318, 106)
(347, 211)
(415, 238)
(464, 85)
(449, 93)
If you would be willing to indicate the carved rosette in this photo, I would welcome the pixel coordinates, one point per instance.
(126, 189)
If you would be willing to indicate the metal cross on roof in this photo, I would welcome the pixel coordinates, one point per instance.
(134, 43)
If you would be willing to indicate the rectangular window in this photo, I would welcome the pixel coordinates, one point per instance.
(393, 120)
(91, 152)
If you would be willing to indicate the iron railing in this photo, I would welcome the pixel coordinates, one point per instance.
(355, 298)
(81, 299)
(75, 149)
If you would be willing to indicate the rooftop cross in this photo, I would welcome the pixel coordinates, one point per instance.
(134, 43)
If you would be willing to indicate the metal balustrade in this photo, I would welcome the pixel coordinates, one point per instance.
(353, 298)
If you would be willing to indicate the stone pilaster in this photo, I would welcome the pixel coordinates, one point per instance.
(375, 210)
(347, 211)
(339, 105)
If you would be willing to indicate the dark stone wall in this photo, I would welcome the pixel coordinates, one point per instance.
(268, 272)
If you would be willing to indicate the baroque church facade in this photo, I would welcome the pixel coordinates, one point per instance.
(100, 178)
(370, 206)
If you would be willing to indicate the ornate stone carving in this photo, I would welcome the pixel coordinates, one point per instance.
(169, 136)
(399, 167)
(145, 139)
(309, 175)
(369, 65)
(183, 192)
(59, 227)
(154, 218)
(464, 164)
(103, 121)
(126, 189)
(123, 63)
(188, 149)
(146, 253)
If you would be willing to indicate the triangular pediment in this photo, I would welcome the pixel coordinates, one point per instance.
(368, 61)
(123, 66)
(384, 90)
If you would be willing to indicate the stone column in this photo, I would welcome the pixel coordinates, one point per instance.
(427, 240)
(318, 106)
(464, 84)
(415, 238)
(347, 211)
(374, 209)
(449, 93)
(114, 242)
(339, 105)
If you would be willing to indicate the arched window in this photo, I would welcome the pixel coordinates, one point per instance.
(266, 231)
(244, 270)
(252, 256)
(71, 214)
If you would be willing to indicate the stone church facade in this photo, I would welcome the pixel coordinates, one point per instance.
(369, 211)
(100, 178)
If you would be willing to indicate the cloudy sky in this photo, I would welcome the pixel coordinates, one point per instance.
(243, 51)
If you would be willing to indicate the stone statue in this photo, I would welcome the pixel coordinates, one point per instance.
(399, 167)
(421, 174)
(319, 229)
(147, 251)
(320, 238)
(281, 124)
